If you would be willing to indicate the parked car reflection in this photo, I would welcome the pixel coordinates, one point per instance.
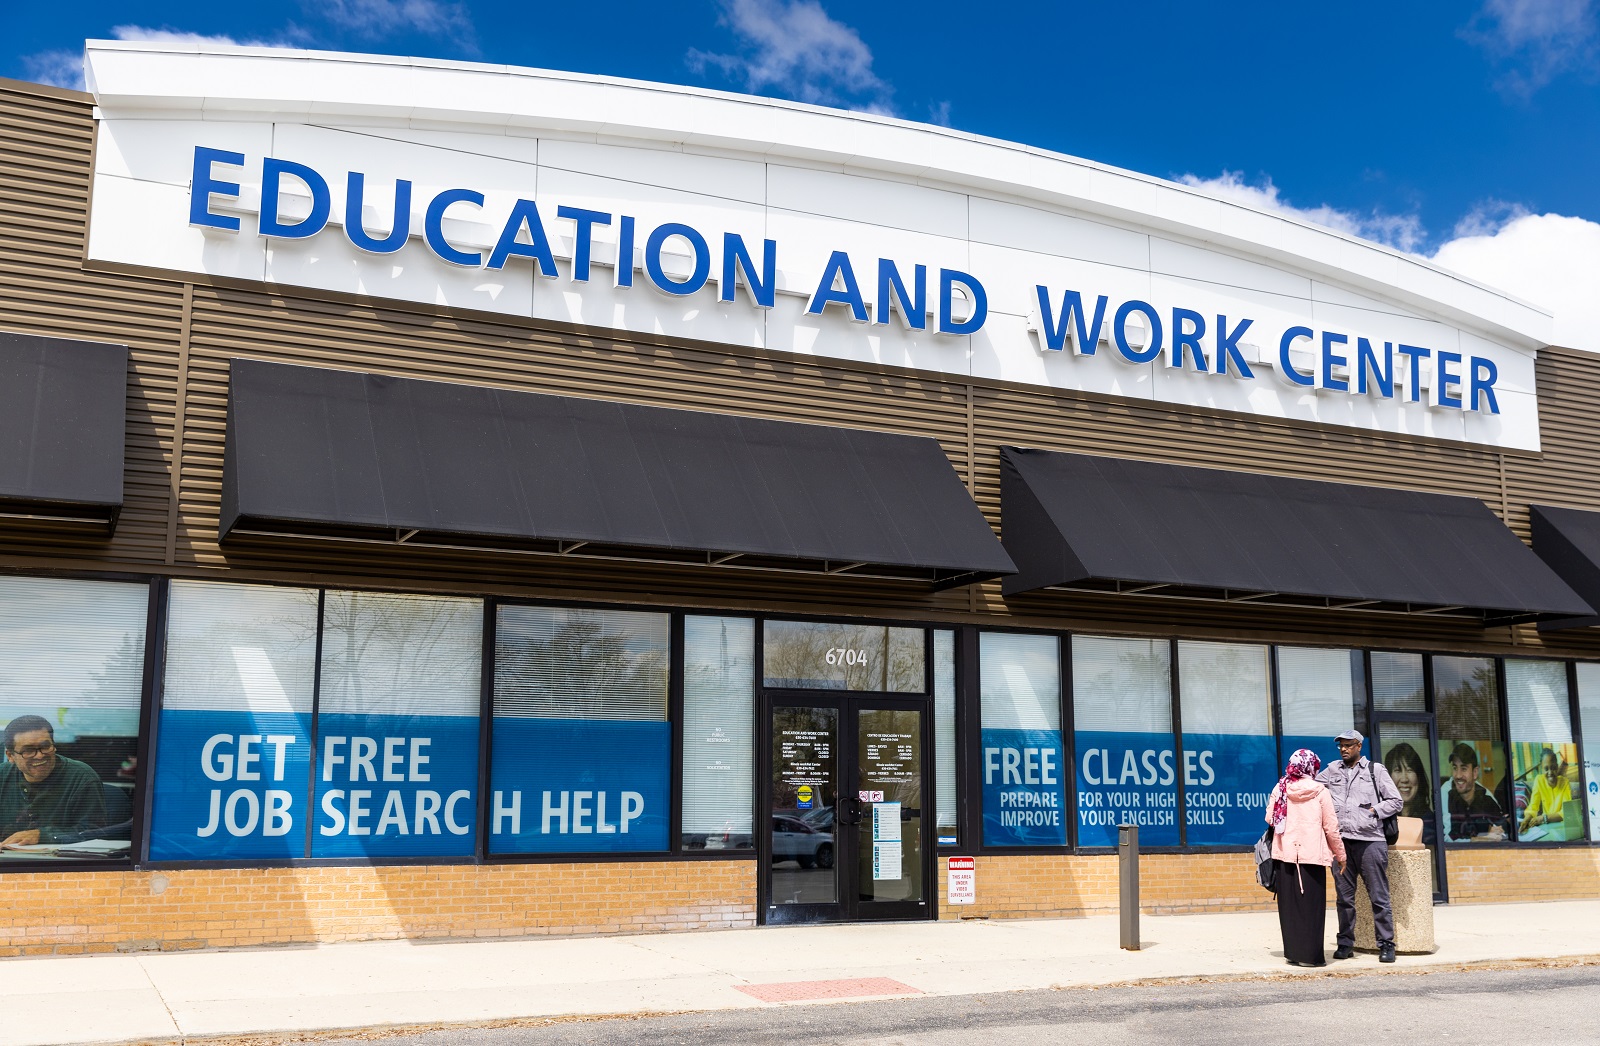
(821, 818)
(729, 838)
(795, 840)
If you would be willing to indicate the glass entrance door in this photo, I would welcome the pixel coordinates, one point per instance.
(888, 814)
(845, 834)
(802, 857)
(1406, 746)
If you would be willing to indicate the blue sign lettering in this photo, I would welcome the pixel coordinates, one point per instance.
(579, 785)
(1024, 789)
(1459, 382)
(1226, 781)
(1126, 778)
(230, 785)
(396, 786)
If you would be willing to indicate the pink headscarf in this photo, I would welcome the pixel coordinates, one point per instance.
(1304, 763)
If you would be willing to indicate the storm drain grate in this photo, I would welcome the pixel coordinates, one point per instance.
(850, 988)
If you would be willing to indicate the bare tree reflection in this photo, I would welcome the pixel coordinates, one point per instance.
(837, 655)
(584, 664)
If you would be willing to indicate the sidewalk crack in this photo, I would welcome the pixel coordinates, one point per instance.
(182, 1039)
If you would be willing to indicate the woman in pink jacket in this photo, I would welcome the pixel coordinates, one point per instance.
(1305, 843)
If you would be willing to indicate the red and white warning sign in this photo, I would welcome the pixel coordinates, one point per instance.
(962, 887)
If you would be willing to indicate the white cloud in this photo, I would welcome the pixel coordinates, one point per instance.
(1488, 218)
(172, 36)
(289, 37)
(1402, 231)
(1548, 259)
(375, 19)
(795, 48)
(1536, 40)
(57, 68)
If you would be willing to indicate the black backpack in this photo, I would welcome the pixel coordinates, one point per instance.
(1391, 824)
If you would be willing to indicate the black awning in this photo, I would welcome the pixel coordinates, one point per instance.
(1568, 539)
(63, 411)
(1137, 527)
(343, 455)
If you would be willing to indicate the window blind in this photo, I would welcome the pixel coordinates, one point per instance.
(580, 664)
(718, 732)
(388, 654)
(1316, 690)
(240, 648)
(1224, 688)
(1537, 698)
(1122, 684)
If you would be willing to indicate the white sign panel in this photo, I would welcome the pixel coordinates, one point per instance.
(886, 860)
(961, 886)
(886, 822)
(748, 250)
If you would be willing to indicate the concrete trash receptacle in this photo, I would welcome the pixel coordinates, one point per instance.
(1411, 897)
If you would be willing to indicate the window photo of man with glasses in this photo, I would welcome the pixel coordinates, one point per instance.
(45, 797)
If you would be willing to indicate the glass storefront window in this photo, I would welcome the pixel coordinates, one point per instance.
(1476, 793)
(718, 733)
(944, 736)
(1319, 691)
(1397, 683)
(1024, 768)
(1406, 755)
(581, 747)
(1229, 748)
(1547, 790)
(1589, 714)
(838, 655)
(233, 746)
(1122, 706)
(397, 726)
(72, 661)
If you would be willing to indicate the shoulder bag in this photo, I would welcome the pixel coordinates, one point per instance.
(1266, 867)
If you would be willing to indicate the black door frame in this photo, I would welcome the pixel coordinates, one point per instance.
(1441, 895)
(849, 907)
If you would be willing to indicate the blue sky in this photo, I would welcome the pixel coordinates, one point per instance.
(1457, 130)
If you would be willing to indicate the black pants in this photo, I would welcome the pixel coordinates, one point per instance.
(1370, 861)
(1303, 911)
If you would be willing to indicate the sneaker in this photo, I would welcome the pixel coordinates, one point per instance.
(1386, 953)
(1344, 951)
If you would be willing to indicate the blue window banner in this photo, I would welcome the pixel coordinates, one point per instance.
(395, 786)
(1126, 778)
(1226, 781)
(1024, 788)
(579, 785)
(230, 785)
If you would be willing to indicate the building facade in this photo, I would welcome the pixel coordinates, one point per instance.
(382, 557)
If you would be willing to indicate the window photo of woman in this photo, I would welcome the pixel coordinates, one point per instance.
(1411, 776)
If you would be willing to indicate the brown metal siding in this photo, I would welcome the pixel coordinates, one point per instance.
(182, 336)
(46, 144)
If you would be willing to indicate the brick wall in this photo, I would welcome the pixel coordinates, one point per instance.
(1044, 885)
(1049, 885)
(1533, 874)
(80, 912)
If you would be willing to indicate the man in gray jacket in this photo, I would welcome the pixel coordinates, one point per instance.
(1363, 795)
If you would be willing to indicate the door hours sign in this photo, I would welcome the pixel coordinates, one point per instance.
(962, 887)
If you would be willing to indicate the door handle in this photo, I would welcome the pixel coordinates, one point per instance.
(852, 810)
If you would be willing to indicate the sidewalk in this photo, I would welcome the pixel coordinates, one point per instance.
(169, 997)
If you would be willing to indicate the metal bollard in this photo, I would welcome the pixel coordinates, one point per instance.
(1128, 883)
